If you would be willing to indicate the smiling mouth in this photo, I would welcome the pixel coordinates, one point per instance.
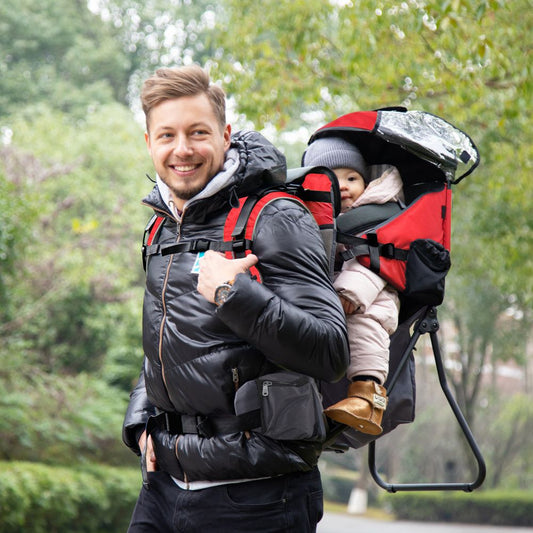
(184, 168)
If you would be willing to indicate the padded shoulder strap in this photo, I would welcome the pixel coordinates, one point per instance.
(151, 232)
(241, 222)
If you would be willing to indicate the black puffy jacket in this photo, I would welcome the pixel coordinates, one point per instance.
(196, 355)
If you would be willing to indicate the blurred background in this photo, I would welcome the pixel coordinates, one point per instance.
(73, 167)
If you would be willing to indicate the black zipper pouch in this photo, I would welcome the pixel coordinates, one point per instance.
(290, 406)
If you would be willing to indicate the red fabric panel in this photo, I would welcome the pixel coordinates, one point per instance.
(361, 120)
(233, 216)
(321, 211)
(421, 220)
(448, 220)
(317, 182)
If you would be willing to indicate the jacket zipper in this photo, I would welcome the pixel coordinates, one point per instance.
(164, 319)
(235, 377)
(236, 384)
(163, 301)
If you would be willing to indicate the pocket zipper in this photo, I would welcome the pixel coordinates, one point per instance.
(235, 377)
(266, 385)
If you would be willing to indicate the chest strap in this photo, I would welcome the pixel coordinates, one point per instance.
(196, 246)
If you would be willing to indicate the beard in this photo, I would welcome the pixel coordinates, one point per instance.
(186, 193)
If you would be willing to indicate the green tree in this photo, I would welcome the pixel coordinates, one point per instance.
(75, 286)
(58, 52)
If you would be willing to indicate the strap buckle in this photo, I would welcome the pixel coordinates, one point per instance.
(205, 427)
(387, 250)
(202, 245)
(239, 246)
(196, 424)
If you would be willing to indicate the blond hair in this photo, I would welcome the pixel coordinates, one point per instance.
(192, 80)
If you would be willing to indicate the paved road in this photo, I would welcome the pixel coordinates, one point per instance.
(343, 523)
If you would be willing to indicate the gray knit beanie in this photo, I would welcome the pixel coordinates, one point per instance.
(335, 152)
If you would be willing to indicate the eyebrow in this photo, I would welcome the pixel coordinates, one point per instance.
(166, 127)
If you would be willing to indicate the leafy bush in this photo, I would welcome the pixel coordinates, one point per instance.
(337, 487)
(60, 419)
(495, 507)
(35, 498)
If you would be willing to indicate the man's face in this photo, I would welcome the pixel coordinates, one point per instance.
(187, 145)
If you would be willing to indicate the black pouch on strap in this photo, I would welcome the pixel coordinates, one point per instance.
(428, 263)
(290, 406)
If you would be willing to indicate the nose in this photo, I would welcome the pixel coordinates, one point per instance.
(182, 146)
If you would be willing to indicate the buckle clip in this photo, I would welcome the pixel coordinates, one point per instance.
(238, 246)
(202, 245)
(204, 427)
(387, 250)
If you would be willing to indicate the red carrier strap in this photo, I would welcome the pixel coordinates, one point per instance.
(152, 228)
(241, 222)
(150, 233)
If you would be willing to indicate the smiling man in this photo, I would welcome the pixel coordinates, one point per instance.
(210, 327)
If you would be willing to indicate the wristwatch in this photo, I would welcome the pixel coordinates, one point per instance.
(222, 292)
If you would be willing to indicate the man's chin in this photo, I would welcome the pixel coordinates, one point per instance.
(187, 193)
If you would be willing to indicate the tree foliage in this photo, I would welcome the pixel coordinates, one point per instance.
(75, 269)
(60, 53)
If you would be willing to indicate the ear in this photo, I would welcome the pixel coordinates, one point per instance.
(147, 140)
(227, 137)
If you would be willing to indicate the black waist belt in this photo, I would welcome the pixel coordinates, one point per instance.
(207, 426)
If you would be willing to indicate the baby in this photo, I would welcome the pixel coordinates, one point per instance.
(370, 304)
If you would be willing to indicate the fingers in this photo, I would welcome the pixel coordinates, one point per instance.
(247, 262)
(215, 269)
(151, 462)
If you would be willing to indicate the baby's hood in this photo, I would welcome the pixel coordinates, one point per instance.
(387, 188)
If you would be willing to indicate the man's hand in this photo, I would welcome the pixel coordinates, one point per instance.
(215, 269)
(151, 462)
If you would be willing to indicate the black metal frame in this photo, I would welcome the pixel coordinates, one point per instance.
(429, 324)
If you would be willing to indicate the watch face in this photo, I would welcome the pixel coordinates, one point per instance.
(221, 293)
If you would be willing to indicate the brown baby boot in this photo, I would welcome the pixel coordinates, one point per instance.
(362, 409)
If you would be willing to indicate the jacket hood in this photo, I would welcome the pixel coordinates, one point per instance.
(260, 165)
(387, 188)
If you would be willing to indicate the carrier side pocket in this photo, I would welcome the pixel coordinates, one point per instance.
(428, 262)
(290, 404)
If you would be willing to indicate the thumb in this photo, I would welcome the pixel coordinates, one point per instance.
(246, 262)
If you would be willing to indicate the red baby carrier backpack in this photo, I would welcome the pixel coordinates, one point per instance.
(408, 246)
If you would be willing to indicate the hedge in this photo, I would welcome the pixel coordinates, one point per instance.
(36, 498)
(511, 508)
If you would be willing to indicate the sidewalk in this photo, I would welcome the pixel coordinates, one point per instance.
(345, 523)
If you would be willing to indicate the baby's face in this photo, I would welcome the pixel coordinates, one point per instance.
(351, 184)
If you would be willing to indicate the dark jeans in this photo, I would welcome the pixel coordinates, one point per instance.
(292, 503)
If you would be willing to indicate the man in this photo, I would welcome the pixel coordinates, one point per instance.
(209, 327)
